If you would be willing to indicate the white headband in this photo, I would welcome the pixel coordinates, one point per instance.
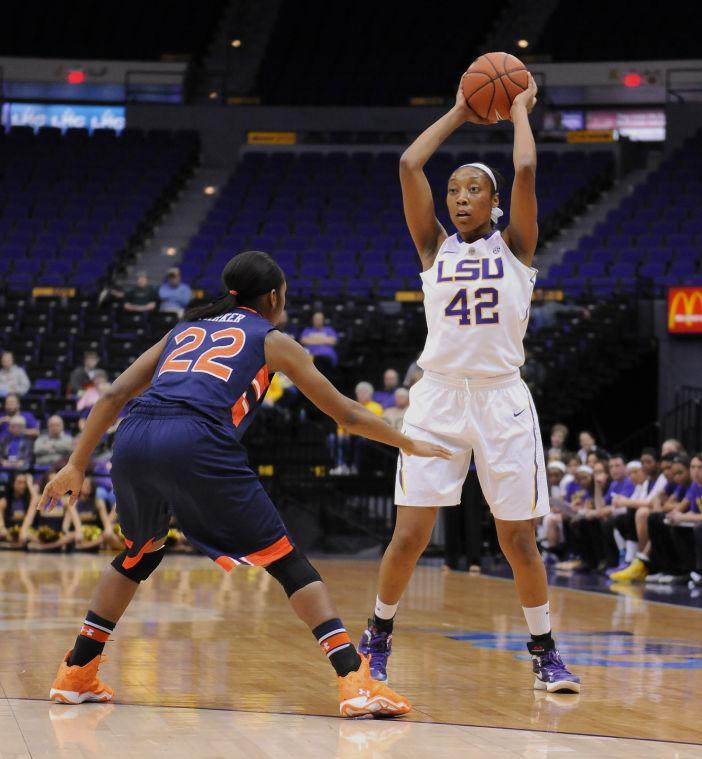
(634, 465)
(584, 469)
(496, 212)
(557, 465)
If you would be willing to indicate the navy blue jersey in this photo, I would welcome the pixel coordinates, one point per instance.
(215, 367)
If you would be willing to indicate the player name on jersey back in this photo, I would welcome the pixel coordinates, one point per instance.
(476, 301)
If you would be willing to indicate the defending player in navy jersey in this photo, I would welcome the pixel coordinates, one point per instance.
(179, 453)
(477, 287)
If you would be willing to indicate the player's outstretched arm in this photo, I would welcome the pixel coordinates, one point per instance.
(285, 355)
(102, 416)
(522, 233)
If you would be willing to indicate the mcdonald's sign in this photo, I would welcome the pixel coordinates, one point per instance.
(685, 309)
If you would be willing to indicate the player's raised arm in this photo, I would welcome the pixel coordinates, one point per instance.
(128, 385)
(523, 232)
(285, 355)
(426, 230)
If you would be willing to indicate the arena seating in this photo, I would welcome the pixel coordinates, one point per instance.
(334, 221)
(651, 241)
(348, 54)
(129, 30)
(71, 205)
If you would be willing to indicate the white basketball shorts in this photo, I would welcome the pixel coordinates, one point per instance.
(493, 418)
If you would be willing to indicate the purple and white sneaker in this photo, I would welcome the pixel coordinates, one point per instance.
(378, 645)
(551, 673)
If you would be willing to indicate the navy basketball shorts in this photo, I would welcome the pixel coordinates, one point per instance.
(170, 461)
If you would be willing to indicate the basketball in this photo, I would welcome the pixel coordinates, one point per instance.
(492, 82)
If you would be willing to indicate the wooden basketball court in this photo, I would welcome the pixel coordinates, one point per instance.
(208, 664)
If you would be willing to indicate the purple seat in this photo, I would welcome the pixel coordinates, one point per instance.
(623, 271)
(689, 253)
(682, 269)
(52, 386)
(592, 270)
(561, 271)
(653, 270)
(631, 256)
(574, 257)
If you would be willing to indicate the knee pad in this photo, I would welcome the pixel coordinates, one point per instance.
(142, 569)
(293, 572)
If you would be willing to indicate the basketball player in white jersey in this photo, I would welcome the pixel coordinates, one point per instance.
(477, 291)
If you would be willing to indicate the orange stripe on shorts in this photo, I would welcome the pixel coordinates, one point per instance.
(263, 558)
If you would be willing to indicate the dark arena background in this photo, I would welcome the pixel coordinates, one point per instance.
(143, 145)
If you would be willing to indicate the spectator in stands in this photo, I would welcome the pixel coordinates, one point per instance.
(572, 464)
(619, 484)
(285, 327)
(655, 479)
(577, 527)
(320, 340)
(142, 298)
(13, 378)
(597, 455)
(82, 376)
(395, 415)
(413, 374)
(386, 396)
(559, 435)
(174, 294)
(580, 492)
(550, 531)
(656, 501)
(97, 387)
(12, 408)
(15, 446)
(53, 446)
(14, 505)
(672, 446)
(345, 448)
(670, 560)
(587, 444)
(555, 472)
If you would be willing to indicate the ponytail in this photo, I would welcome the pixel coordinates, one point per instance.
(245, 278)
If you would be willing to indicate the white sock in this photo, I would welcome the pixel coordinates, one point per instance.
(618, 539)
(538, 619)
(632, 548)
(384, 611)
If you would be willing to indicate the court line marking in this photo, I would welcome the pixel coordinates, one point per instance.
(613, 596)
(399, 720)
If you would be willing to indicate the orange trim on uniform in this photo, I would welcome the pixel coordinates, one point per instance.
(268, 555)
(226, 562)
(340, 639)
(88, 631)
(239, 410)
(261, 382)
(132, 561)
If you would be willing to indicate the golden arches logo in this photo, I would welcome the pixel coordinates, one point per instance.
(684, 308)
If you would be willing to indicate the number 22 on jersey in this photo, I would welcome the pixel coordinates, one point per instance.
(486, 299)
(189, 340)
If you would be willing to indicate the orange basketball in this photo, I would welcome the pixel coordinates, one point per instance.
(492, 82)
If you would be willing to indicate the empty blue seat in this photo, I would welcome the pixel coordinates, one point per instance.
(592, 270)
(623, 271)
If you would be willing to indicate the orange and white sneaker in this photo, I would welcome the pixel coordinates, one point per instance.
(74, 685)
(361, 696)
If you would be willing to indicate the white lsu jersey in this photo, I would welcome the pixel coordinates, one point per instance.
(477, 297)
